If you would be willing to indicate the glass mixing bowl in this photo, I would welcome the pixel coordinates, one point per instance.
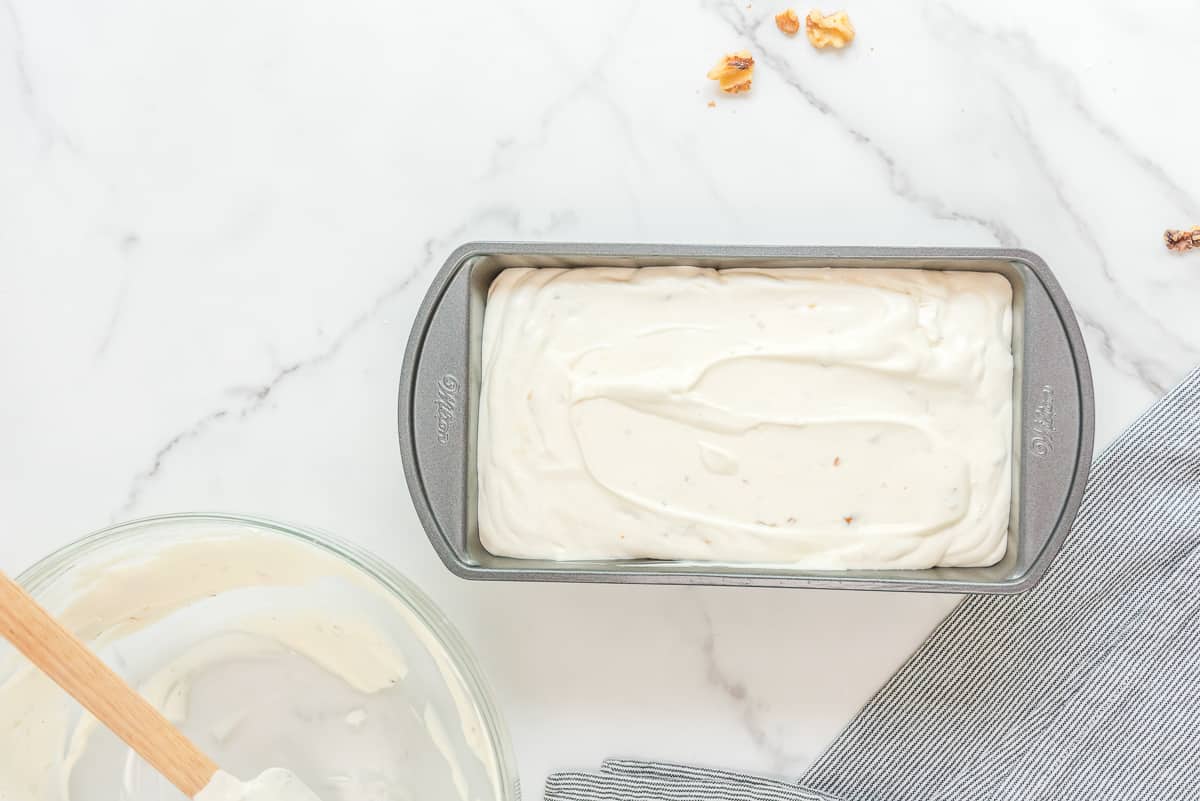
(266, 643)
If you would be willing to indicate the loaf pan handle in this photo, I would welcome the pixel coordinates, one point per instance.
(436, 410)
(1055, 418)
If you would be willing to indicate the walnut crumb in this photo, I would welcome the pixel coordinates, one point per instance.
(848, 520)
(824, 31)
(734, 72)
(787, 21)
(1186, 239)
(712, 104)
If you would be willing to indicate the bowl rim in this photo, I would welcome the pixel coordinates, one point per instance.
(51, 567)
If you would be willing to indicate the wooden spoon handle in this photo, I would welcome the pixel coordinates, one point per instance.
(61, 656)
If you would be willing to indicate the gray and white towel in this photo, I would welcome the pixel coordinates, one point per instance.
(1085, 687)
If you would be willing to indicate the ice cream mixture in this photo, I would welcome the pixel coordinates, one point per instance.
(821, 418)
(268, 653)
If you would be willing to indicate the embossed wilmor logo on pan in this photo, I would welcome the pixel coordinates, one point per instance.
(1042, 423)
(446, 405)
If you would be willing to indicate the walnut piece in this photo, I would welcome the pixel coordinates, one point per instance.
(834, 30)
(1186, 239)
(733, 72)
(787, 21)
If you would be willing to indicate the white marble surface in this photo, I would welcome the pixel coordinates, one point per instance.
(216, 221)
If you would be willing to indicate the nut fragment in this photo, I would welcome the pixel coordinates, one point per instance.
(733, 72)
(1186, 239)
(787, 21)
(834, 30)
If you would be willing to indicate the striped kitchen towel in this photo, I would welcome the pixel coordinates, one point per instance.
(630, 780)
(1085, 687)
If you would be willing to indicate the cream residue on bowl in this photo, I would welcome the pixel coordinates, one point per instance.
(268, 652)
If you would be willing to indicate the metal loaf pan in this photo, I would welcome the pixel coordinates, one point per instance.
(1052, 393)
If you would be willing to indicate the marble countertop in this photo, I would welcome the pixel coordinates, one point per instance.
(217, 219)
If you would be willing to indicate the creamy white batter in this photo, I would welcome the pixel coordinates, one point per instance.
(825, 418)
(268, 653)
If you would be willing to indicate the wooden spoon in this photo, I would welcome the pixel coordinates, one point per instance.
(60, 655)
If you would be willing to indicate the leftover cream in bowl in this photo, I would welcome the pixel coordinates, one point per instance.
(270, 647)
